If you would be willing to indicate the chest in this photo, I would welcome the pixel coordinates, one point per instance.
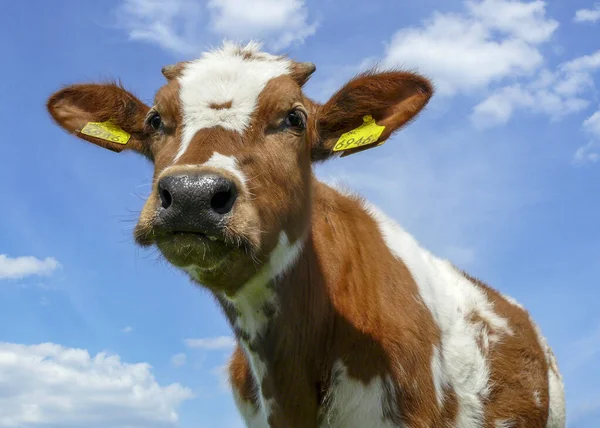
(347, 403)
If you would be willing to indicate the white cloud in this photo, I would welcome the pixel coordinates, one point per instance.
(555, 94)
(493, 40)
(52, 386)
(173, 25)
(21, 267)
(127, 329)
(211, 343)
(178, 360)
(280, 22)
(180, 26)
(524, 21)
(590, 152)
(583, 64)
(592, 124)
(588, 15)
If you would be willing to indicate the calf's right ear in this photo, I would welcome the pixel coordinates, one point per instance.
(368, 110)
(104, 114)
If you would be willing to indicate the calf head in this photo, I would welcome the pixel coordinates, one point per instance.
(232, 138)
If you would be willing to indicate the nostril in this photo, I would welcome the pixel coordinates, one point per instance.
(165, 197)
(223, 201)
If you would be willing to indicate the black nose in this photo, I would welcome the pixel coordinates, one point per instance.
(195, 203)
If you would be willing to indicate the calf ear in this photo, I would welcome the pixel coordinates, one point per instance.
(104, 114)
(367, 110)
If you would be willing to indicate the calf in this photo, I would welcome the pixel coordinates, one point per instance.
(341, 318)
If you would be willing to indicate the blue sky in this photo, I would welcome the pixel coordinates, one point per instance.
(501, 174)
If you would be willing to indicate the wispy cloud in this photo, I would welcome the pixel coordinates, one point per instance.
(127, 329)
(554, 93)
(280, 22)
(185, 26)
(21, 267)
(179, 360)
(51, 385)
(172, 25)
(588, 15)
(590, 152)
(211, 343)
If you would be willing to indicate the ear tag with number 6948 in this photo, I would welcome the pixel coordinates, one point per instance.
(367, 133)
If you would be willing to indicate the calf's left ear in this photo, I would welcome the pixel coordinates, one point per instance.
(367, 111)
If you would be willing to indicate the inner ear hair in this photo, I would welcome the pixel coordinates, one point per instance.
(301, 71)
(173, 71)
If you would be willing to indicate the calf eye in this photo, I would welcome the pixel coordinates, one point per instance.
(155, 121)
(296, 119)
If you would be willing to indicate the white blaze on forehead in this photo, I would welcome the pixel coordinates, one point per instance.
(235, 74)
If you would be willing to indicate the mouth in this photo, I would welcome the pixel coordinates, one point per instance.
(196, 235)
(183, 248)
(202, 253)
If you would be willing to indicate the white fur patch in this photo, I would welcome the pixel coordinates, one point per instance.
(505, 423)
(256, 293)
(253, 297)
(221, 76)
(259, 370)
(452, 300)
(253, 417)
(512, 301)
(352, 404)
(556, 409)
(226, 163)
(439, 380)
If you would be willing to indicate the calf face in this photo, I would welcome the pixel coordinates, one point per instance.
(232, 138)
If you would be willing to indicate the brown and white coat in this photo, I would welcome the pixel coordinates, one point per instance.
(342, 319)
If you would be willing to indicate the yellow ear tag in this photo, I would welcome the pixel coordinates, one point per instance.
(106, 131)
(365, 134)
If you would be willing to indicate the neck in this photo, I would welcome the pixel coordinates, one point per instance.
(286, 316)
(290, 291)
(253, 308)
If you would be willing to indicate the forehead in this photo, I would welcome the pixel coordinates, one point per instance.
(222, 87)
